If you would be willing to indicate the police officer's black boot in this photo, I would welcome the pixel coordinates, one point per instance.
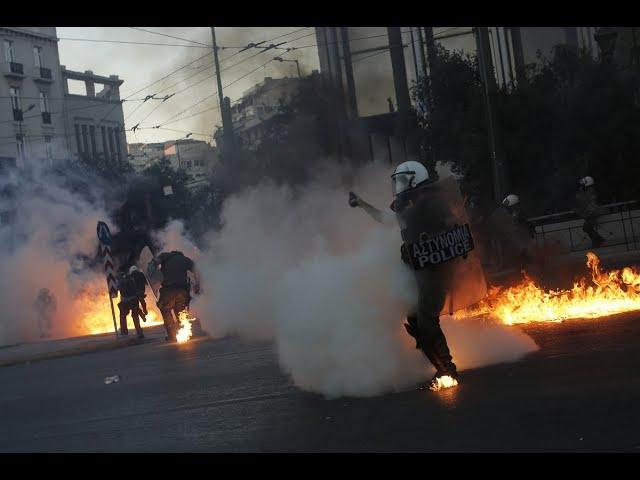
(437, 351)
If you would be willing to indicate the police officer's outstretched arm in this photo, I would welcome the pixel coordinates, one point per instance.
(375, 213)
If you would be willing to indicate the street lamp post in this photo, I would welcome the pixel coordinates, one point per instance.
(606, 39)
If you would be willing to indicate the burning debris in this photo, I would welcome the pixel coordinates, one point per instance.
(611, 292)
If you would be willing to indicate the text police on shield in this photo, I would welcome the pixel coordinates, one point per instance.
(441, 248)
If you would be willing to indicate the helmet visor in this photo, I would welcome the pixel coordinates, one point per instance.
(402, 181)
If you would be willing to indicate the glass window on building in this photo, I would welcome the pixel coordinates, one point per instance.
(20, 146)
(44, 102)
(78, 138)
(14, 93)
(373, 76)
(48, 148)
(37, 57)
(9, 53)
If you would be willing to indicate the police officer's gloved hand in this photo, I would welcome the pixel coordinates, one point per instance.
(353, 200)
(404, 254)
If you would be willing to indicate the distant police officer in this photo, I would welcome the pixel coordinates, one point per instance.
(515, 235)
(437, 246)
(586, 206)
(174, 292)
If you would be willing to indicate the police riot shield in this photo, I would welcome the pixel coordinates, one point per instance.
(440, 243)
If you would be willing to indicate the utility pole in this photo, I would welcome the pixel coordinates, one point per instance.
(227, 126)
(518, 54)
(401, 87)
(489, 83)
(431, 59)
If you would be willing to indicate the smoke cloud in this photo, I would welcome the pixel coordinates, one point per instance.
(325, 283)
(49, 243)
(296, 266)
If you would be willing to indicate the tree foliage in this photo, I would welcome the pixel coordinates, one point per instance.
(573, 116)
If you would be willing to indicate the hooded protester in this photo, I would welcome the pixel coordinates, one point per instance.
(438, 246)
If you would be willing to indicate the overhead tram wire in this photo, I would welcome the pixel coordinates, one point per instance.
(203, 68)
(170, 36)
(224, 69)
(235, 64)
(126, 99)
(169, 120)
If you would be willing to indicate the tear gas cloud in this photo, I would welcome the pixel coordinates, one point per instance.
(326, 284)
(47, 245)
(298, 267)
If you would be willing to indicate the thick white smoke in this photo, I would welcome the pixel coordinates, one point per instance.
(325, 282)
(52, 230)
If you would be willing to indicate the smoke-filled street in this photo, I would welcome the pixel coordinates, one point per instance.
(578, 393)
(319, 239)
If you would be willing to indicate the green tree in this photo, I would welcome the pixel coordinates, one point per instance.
(573, 116)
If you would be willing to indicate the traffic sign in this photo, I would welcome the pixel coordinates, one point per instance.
(104, 235)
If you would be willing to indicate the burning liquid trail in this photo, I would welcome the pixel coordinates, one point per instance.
(611, 292)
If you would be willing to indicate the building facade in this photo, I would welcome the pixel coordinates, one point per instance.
(251, 114)
(32, 122)
(374, 68)
(94, 119)
(41, 121)
(195, 157)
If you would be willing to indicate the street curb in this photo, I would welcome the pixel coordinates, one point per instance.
(78, 350)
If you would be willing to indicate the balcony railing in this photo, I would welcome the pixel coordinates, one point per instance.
(42, 74)
(17, 115)
(13, 69)
(16, 68)
(46, 117)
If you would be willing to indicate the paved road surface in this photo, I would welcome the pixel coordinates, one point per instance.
(580, 392)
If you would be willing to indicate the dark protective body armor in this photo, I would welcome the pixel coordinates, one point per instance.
(448, 272)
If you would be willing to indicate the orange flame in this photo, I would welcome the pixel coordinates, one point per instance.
(611, 292)
(442, 382)
(93, 312)
(184, 334)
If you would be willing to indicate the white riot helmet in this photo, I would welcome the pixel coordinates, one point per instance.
(133, 269)
(586, 181)
(408, 175)
(511, 200)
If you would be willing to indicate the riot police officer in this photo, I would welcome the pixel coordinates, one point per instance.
(437, 245)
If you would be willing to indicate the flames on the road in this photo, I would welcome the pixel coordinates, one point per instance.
(184, 334)
(607, 293)
(94, 313)
(442, 382)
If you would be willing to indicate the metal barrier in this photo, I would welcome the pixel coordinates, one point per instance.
(624, 214)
